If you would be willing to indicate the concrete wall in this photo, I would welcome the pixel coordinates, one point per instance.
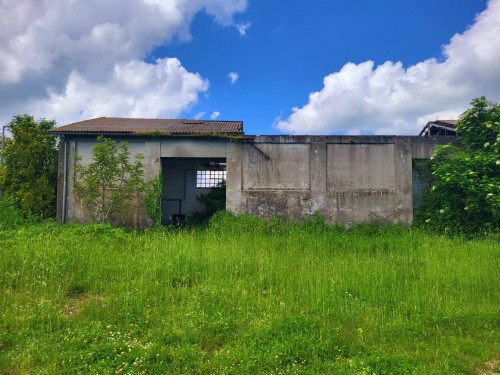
(352, 179)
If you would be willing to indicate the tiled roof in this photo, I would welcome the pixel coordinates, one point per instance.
(141, 126)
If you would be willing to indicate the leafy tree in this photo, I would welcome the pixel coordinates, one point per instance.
(29, 173)
(111, 182)
(465, 186)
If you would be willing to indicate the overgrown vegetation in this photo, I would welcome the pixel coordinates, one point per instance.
(215, 199)
(246, 296)
(29, 173)
(152, 200)
(10, 216)
(465, 192)
(110, 185)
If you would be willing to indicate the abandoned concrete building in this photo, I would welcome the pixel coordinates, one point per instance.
(351, 179)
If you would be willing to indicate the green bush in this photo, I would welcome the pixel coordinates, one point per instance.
(215, 199)
(110, 184)
(30, 171)
(465, 185)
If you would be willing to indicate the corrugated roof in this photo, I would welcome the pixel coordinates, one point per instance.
(140, 126)
(447, 122)
(439, 127)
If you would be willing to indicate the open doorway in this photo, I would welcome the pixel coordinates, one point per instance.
(185, 179)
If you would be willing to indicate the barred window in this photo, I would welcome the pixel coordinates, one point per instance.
(208, 179)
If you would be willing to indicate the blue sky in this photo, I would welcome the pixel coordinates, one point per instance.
(168, 58)
(291, 45)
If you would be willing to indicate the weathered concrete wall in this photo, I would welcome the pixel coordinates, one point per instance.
(352, 179)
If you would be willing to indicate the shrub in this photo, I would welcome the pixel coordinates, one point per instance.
(109, 184)
(152, 200)
(29, 173)
(215, 199)
(464, 195)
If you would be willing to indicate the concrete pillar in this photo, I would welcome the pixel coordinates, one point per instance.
(403, 197)
(234, 201)
(152, 161)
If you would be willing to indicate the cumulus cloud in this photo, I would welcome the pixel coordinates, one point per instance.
(214, 115)
(243, 27)
(233, 77)
(392, 99)
(49, 49)
(135, 89)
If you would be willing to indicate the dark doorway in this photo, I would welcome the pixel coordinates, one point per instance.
(184, 179)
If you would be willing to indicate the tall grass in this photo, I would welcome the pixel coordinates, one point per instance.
(245, 295)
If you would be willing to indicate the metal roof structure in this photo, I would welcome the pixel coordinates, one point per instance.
(138, 126)
(439, 127)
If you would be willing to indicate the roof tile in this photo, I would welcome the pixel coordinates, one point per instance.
(140, 125)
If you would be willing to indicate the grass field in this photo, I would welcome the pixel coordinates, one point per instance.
(245, 296)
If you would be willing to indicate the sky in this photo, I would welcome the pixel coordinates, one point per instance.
(280, 66)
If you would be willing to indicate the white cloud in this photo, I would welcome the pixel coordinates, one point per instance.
(243, 27)
(214, 115)
(199, 115)
(233, 77)
(49, 48)
(389, 99)
(136, 89)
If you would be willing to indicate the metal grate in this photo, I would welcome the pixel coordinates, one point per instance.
(208, 179)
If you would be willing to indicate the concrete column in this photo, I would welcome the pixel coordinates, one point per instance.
(73, 207)
(403, 197)
(152, 161)
(318, 167)
(234, 199)
(60, 180)
(318, 173)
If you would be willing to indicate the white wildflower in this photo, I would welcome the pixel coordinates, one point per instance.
(486, 144)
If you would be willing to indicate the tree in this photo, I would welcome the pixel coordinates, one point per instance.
(465, 185)
(111, 182)
(29, 173)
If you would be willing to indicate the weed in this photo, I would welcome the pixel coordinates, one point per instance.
(245, 295)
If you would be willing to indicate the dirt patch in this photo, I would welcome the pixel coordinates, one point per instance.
(75, 306)
(491, 367)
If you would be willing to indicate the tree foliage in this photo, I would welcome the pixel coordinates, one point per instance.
(29, 173)
(109, 185)
(465, 187)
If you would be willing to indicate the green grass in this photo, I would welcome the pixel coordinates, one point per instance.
(245, 296)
